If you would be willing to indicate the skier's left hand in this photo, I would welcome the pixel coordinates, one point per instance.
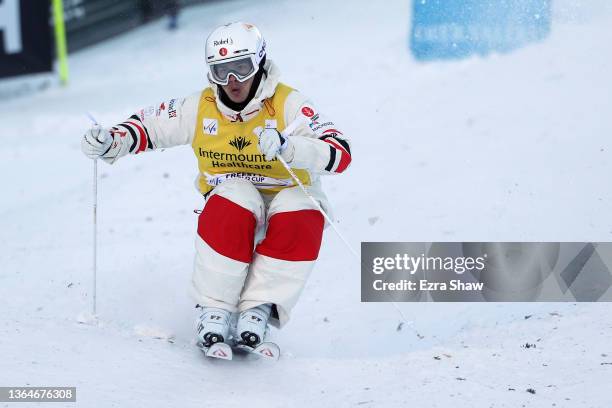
(271, 143)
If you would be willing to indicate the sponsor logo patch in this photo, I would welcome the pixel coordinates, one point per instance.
(262, 182)
(171, 108)
(271, 124)
(224, 41)
(210, 126)
(315, 126)
(307, 111)
(240, 142)
(161, 108)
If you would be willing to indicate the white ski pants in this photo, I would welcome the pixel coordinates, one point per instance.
(233, 270)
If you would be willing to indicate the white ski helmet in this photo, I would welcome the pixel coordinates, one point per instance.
(234, 49)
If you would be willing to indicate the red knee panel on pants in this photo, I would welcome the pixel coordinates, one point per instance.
(228, 228)
(293, 236)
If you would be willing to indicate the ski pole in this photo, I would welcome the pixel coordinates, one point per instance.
(95, 233)
(95, 226)
(297, 180)
(316, 203)
(285, 133)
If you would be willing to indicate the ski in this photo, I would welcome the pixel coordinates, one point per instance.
(267, 350)
(218, 350)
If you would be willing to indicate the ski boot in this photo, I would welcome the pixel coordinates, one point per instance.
(251, 330)
(213, 326)
(252, 325)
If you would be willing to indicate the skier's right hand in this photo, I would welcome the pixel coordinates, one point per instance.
(96, 142)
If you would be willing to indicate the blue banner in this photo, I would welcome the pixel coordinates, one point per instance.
(453, 29)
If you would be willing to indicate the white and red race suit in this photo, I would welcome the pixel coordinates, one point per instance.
(258, 235)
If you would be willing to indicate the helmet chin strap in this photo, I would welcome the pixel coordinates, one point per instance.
(238, 107)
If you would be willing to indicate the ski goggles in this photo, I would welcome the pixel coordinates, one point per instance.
(242, 68)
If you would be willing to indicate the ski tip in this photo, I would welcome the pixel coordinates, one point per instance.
(219, 350)
(267, 350)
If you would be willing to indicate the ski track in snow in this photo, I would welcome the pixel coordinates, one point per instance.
(509, 147)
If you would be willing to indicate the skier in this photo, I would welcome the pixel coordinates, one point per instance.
(258, 235)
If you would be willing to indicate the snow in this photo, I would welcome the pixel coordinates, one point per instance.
(510, 147)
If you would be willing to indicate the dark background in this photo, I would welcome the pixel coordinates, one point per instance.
(87, 22)
(36, 55)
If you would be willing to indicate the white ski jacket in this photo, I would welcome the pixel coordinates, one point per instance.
(320, 147)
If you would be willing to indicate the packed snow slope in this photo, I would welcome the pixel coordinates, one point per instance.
(509, 147)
